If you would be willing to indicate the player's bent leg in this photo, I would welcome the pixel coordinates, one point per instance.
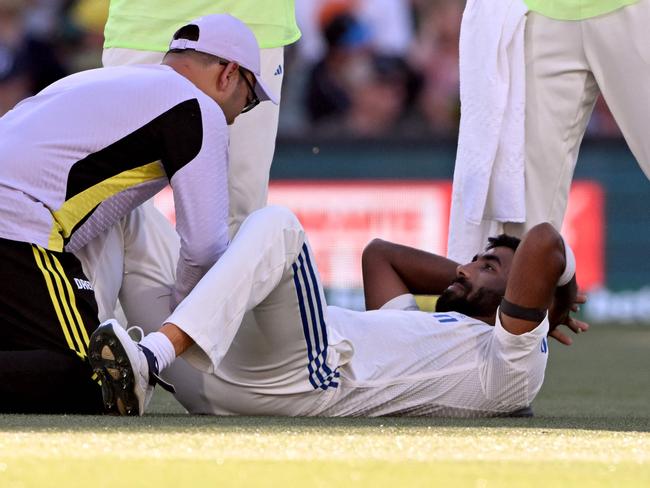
(284, 357)
(151, 249)
(263, 250)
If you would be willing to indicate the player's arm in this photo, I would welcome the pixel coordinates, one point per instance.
(199, 179)
(390, 270)
(540, 262)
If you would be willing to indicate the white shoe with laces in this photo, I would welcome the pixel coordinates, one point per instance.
(128, 371)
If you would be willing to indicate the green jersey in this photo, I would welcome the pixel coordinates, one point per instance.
(148, 25)
(575, 9)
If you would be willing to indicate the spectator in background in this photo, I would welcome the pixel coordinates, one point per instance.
(378, 103)
(28, 63)
(345, 65)
(86, 20)
(436, 57)
(356, 54)
(355, 88)
(14, 81)
(389, 24)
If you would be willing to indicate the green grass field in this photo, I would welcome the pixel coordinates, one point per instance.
(592, 428)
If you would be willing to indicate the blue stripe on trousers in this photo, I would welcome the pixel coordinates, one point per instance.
(305, 326)
(321, 317)
(316, 355)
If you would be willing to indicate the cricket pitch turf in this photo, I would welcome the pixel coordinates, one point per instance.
(591, 428)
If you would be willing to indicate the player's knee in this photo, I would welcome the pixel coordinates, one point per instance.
(374, 250)
(280, 216)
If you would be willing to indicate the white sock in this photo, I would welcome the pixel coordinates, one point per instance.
(161, 347)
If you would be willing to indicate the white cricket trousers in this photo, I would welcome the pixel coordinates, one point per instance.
(280, 357)
(568, 63)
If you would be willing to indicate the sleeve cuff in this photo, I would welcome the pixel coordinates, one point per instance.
(531, 337)
(401, 302)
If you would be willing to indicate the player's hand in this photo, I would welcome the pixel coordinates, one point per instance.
(575, 325)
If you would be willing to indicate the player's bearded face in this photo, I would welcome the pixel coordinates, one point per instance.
(463, 298)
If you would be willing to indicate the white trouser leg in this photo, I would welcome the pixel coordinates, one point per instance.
(252, 144)
(283, 357)
(259, 257)
(151, 249)
(617, 46)
(102, 260)
(134, 260)
(560, 95)
(116, 56)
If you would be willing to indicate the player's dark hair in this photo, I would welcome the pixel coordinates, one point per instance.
(503, 240)
(191, 33)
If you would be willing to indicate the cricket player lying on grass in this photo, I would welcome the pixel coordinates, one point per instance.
(483, 353)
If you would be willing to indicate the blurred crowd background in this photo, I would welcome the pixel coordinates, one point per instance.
(363, 69)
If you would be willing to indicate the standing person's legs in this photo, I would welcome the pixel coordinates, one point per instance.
(116, 56)
(560, 95)
(252, 144)
(622, 70)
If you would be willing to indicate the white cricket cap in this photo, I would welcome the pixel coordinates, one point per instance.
(228, 38)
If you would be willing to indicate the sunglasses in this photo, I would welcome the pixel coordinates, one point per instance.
(253, 101)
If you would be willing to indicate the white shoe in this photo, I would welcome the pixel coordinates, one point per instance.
(128, 371)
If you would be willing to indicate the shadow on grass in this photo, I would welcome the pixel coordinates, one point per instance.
(192, 423)
(602, 381)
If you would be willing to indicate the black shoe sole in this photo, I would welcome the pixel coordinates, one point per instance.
(522, 412)
(117, 377)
